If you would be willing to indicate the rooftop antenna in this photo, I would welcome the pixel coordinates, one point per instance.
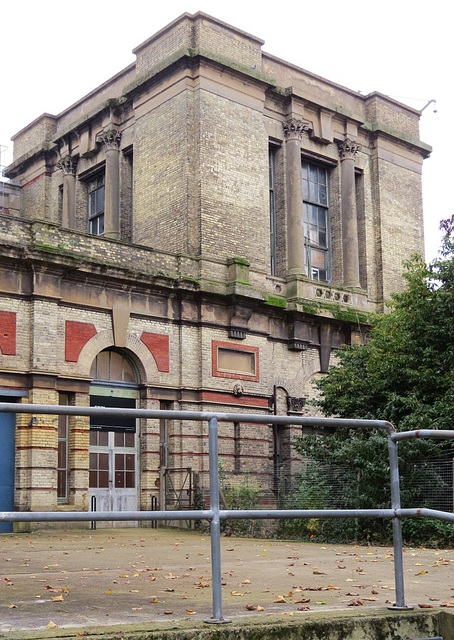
(428, 103)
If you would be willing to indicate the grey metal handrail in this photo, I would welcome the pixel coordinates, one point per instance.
(214, 514)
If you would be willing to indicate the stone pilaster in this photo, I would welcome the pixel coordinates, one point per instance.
(68, 165)
(347, 151)
(293, 132)
(110, 139)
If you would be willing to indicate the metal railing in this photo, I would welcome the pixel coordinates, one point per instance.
(215, 514)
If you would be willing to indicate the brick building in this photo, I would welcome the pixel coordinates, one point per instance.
(200, 232)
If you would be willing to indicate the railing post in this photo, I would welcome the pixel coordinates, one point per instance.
(93, 508)
(154, 507)
(215, 524)
(397, 527)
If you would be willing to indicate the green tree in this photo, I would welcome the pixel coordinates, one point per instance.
(403, 374)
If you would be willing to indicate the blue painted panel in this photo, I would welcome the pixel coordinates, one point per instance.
(7, 431)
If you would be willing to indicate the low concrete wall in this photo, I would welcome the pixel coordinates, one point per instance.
(410, 625)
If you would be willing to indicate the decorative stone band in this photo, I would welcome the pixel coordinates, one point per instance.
(295, 127)
(68, 165)
(110, 138)
(348, 149)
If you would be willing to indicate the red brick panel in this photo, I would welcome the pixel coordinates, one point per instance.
(77, 334)
(8, 333)
(158, 345)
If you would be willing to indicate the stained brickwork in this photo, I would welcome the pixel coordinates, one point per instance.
(187, 267)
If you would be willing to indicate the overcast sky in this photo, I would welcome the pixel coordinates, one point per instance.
(53, 53)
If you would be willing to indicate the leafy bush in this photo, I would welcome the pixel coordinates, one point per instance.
(241, 495)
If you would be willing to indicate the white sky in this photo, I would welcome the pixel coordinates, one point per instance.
(55, 52)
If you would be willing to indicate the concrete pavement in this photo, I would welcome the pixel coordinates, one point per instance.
(77, 578)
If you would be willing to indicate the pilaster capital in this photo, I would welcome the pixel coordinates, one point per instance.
(295, 127)
(110, 138)
(295, 405)
(348, 149)
(68, 165)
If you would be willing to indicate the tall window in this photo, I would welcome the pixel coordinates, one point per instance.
(96, 192)
(316, 221)
(272, 178)
(62, 464)
(163, 435)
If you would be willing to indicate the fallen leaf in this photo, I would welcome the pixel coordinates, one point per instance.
(356, 602)
(448, 603)
(12, 606)
(154, 600)
(190, 612)
(425, 605)
(251, 607)
(320, 602)
(51, 625)
(236, 593)
(280, 599)
(136, 608)
(59, 598)
(260, 608)
(319, 573)
(109, 592)
(168, 612)
(303, 608)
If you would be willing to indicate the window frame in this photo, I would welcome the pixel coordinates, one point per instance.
(96, 185)
(63, 460)
(316, 204)
(272, 149)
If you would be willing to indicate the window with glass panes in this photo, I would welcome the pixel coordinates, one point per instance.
(316, 221)
(62, 464)
(272, 172)
(96, 191)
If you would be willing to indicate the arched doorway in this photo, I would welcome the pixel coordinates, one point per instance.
(114, 440)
